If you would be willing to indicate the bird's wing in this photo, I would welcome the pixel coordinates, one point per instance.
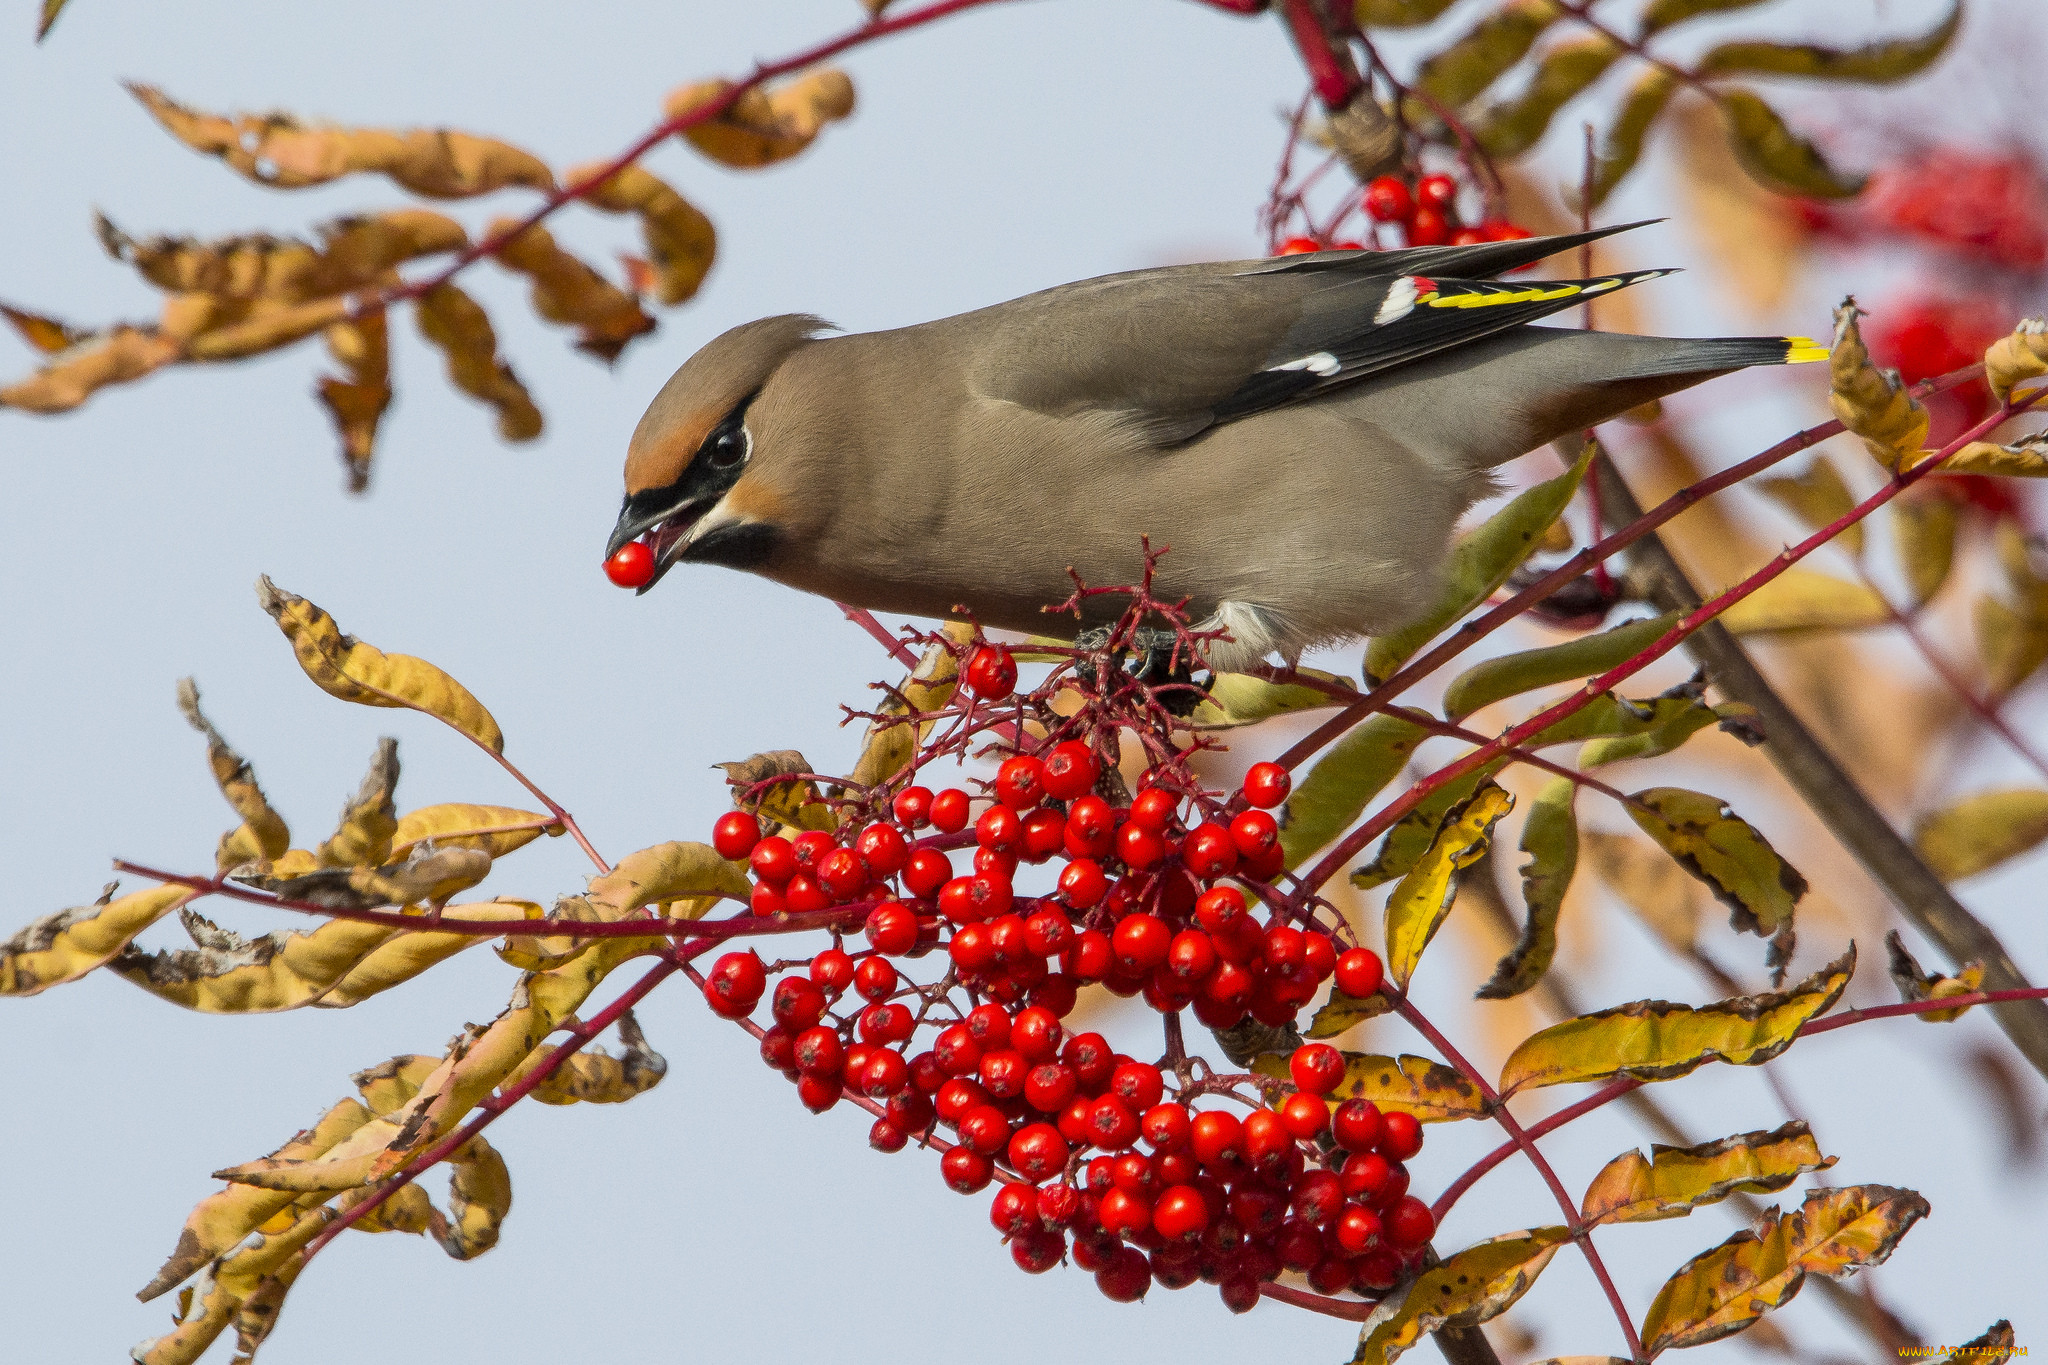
(1162, 355)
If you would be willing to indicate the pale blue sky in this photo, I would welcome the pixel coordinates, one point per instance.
(1001, 152)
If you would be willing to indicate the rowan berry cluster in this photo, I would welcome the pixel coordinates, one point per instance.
(1142, 1171)
(1423, 209)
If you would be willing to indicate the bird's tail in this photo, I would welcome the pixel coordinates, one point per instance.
(1714, 355)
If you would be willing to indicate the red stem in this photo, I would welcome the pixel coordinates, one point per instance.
(878, 28)
(1346, 849)
(1347, 1309)
(1478, 628)
(1520, 1137)
(865, 619)
(1332, 75)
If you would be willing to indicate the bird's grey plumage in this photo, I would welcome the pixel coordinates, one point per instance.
(1302, 445)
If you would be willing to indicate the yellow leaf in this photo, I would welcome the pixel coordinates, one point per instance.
(1398, 13)
(1419, 904)
(344, 667)
(354, 253)
(687, 877)
(1487, 51)
(593, 1077)
(2026, 458)
(1677, 1180)
(891, 743)
(48, 335)
(496, 830)
(119, 355)
(1879, 63)
(409, 1210)
(794, 803)
(1834, 1232)
(363, 838)
(1481, 562)
(567, 291)
(357, 403)
(262, 833)
(1480, 1282)
(1817, 496)
(680, 239)
(458, 325)
(279, 151)
(407, 953)
(1776, 157)
(65, 946)
(2016, 358)
(1431, 1091)
(1512, 674)
(1656, 1040)
(1997, 1343)
(1978, 832)
(1915, 983)
(1239, 699)
(2010, 644)
(1348, 775)
(1659, 892)
(1924, 533)
(223, 1219)
(1870, 402)
(763, 127)
(1726, 852)
(1411, 836)
(1805, 599)
(48, 18)
(1550, 837)
(479, 1197)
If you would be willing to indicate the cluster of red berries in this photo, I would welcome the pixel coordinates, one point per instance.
(1987, 208)
(1426, 210)
(1142, 907)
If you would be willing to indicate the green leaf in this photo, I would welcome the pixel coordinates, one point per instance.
(1512, 127)
(1550, 836)
(1486, 52)
(1478, 1283)
(1659, 15)
(1979, 832)
(1337, 789)
(1420, 903)
(1624, 728)
(1398, 13)
(1488, 682)
(1241, 699)
(1726, 852)
(1924, 534)
(1776, 157)
(1412, 834)
(1667, 734)
(1879, 63)
(1817, 496)
(1647, 98)
(1657, 1040)
(1480, 563)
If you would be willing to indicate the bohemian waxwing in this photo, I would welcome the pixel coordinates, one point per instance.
(1303, 433)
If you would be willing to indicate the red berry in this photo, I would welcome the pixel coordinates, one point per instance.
(1286, 948)
(803, 894)
(949, 811)
(1138, 1085)
(735, 834)
(1400, 1135)
(797, 1004)
(773, 859)
(1036, 1034)
(1410, 1223)
(957, 1098)
(1387, 200)
(1254, 833)
(883, 850)
(1429, 227)
(1020, 782)
(1048, 932)
(1436, 192)
(884, 1024)
(1359, 972)
(985, 1129)
(1090, 958)
(632, 566)
(1266, 1140)
(989, 1025)
(1141, 942)
(874, 978)
(891, 929)
(1216, 1137)
(1166, 1127)
(1002, 1073)
(966, 1171)
(991, 674)
(1299, 1245)
(1266, 785)
(767, 902)
(735, 984)
(885, 1074)
(1050, 1087)
(1124, 1212)
(1111, 1125)
(1357, 1125)
(1209, 851)
(1468, 237)
(1298, 246)
(1217, 906)
(1499, 231)
(1057, 1205)
(999, 828)
(1057, 994)
(1316, 1067)
(1082, 883)
(1091, 828)
(1317, 1196)
(1126, 1277)
(1304, 1116)
(832, 972)
(1092, 1058)
(841, 873)
(819, 1052)
(1034, 1253)
(956, 1051)
(1180, 1213)
(885, 1136)
(1358, 1229)
(777, 1048)
(926, 871)
(1364, 1175)
(1319, 955)
(1038, 1152)
(912, 807)
(1153, 809)
(1014, 1210)
(1070, 770)
(1240, 1291)
(1378, 1271)
(1045, 833)
(819, 1093)
(1191, 956)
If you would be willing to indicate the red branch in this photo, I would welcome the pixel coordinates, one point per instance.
(1335, 78)
(667, 128)
(1333, 862)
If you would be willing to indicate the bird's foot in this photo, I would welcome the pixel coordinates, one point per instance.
(1160, 659)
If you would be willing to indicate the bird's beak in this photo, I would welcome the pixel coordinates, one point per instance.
(666, 531)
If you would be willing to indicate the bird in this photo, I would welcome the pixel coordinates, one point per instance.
(1300, 435)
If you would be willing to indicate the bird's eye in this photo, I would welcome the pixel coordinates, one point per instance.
(730, 447)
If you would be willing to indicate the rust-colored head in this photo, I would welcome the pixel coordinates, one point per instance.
(689, 454)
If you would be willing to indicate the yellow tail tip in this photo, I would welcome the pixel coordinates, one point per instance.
(1799, 350)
